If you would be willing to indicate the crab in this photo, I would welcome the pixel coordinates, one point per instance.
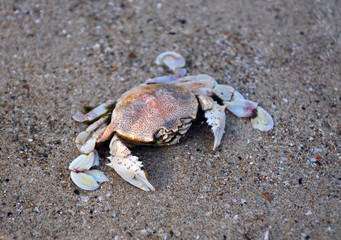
(158, 112)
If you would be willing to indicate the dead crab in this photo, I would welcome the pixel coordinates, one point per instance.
(158, 112)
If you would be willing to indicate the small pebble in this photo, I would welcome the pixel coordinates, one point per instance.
(85, 198)
(317, 150)
(308, 213)
(266, 235)
(176, 233)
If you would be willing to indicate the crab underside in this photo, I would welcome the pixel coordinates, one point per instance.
(158, 112)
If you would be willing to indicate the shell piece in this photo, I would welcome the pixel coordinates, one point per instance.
(263, 121)
(82, 163)
(180, 72)
(241, 107)
(97, 175)
(84, 181)
(159, 105)
(171, 60)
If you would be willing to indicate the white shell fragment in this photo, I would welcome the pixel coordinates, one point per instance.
(241, 107)
(84, 181)
(97, 175)
(171, 60)
(82, 162)
(263, 121)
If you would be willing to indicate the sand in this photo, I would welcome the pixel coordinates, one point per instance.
(57, 56)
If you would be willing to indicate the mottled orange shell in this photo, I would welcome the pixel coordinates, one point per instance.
(144, 110)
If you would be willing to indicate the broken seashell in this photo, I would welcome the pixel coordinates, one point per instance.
(263, 121)
(84, 181)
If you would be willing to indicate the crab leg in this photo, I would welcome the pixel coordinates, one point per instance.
(86, 144)
(81, 174)
(205, 85)
(127, 165)
(260, 119)
(94, 113)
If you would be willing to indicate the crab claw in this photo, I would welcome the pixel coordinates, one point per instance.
(215, 115)
(129, 169)
(127, 165)
(216, 119)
